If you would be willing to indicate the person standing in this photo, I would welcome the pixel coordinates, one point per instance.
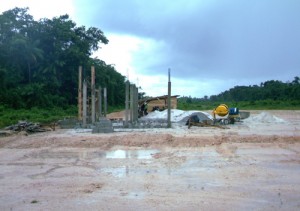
(145, 109)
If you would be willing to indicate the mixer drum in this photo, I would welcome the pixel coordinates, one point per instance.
(221, 110)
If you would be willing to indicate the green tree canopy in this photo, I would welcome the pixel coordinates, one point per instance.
(39, 60)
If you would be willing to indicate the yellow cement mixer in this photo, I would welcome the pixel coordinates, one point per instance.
(225, 115)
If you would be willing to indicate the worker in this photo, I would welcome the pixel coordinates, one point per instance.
(142, 109)
(145, 108)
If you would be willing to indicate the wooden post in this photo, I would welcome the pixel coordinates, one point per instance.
(84, 104)
(80, 93)
(93, 94)
(169, 99)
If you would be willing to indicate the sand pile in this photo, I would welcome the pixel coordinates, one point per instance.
(177, 115)
(264, 117)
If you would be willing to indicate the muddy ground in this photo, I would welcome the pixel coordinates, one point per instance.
(252, 165)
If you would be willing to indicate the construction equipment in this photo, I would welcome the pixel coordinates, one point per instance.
(204, 123)
(225, 115)
(222, 115)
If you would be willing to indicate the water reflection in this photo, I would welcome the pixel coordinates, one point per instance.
(119, 172)
(138, 154)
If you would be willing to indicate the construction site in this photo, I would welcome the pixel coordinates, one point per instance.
(166, 159)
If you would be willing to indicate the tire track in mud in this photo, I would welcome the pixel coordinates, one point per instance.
(226, 150)
(60, 171)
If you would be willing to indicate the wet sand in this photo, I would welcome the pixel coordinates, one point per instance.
(250, 166)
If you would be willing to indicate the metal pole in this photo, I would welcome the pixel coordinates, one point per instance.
(93, 94)
(169, 99)
(80, 93)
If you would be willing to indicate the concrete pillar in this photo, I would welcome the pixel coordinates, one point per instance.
(100, 101)
(136, 103)
(126, 102)
(84, 114)
(93, 115)
(80, 93)
(105, 101)
(131, 103)
(169, 99)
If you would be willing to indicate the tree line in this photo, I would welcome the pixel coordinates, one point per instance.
(39, 61)
(272, 90)
(269, 90)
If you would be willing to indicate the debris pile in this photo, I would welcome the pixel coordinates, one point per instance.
(28, 127)
(177, 115)
(264, 117)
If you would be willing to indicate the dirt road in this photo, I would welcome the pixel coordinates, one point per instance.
(253, 165)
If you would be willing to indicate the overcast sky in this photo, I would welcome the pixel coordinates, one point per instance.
(210, 45)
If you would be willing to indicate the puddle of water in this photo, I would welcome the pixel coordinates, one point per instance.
(138, 154)
(203, 152)
(116, 154)
(263, 151)
(125, 171)
(118, 172)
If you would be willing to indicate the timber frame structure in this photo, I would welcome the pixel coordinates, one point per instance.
(161, 102)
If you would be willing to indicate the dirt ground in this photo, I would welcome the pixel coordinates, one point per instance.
(249, 166)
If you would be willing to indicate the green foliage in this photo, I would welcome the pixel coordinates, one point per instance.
(269, 90)
(9, 116)
(39, 61)
(269, 95)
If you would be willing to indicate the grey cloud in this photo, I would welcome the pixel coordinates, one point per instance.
(210, 39)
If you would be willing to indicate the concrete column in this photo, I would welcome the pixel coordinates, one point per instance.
(105, 101)
(80, 93)
(93, 115)
(136, 103)
(126, 102)
(131, 103)
(169, 99)
(84, 115)
(100, 101)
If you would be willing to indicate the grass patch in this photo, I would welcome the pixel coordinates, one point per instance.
(10, 116)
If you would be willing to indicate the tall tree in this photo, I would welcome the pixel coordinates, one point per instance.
(39, 60)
